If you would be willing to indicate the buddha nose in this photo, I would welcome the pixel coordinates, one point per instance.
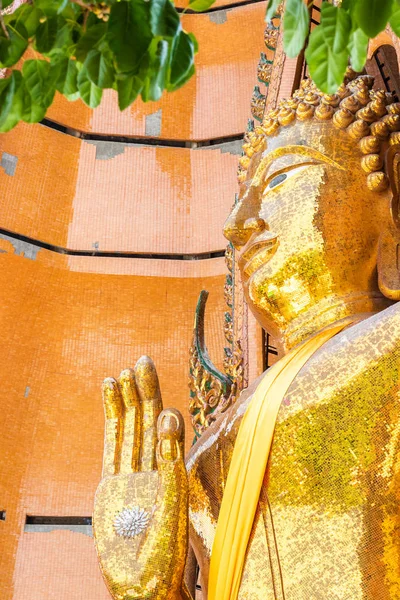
(239, 232)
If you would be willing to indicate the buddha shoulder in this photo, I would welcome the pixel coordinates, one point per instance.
(369, 350)
(360, 365)
(351, 382)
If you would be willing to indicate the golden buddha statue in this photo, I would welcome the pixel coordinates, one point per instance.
(317, 229)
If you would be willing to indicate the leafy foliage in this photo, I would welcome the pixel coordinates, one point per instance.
(136, 47)
(327, 54)
(296, 25)
(341, 38)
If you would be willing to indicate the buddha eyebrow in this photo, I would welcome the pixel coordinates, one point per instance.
(306, 151)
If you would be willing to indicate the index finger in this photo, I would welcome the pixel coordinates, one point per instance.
(113, 409)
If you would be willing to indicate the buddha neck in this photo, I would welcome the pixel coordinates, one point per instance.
(329, 311)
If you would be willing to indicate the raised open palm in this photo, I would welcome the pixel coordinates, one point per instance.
(140, 514)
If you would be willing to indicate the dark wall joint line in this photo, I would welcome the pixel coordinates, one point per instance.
(140, 141)
(107, 254)
(217, 8)
(47, 520)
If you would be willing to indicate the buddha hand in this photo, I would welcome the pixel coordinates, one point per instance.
(140, 515)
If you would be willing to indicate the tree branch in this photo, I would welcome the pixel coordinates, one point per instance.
(3, 25)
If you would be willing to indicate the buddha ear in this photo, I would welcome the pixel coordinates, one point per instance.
(389, 241)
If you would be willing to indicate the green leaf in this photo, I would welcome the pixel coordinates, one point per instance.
(35, 73)
(182, 61)
(13, 48)
(89, 40)
(11, 101)
(62, 6)
(92, 21)
(71, 11)
(272, 8)
(4, 83)
(189, 74)
(39, 89)
(358, 47)
(164, 19)
(70, 87)
(6, 3)
(29, 16)
(73, 97)
(99, 69)
(49, 7)
(395, 18)
(336, 26)
(129, 33)
(195, 42)
(39, 84)
(5, 49)
(5, 100)
(66, 76)
(200, 5)
(373, 15)
(89, 92)
(46, 35)
(128, 90)
(33, 112)
(295, 27)
(64, 37)
(327, 69)
(155, 81)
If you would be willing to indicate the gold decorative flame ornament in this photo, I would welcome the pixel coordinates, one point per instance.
(210, 390)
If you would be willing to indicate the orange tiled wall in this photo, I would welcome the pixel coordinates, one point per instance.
(64, 329)
(142, 199)
(67, 321)
(215, 103)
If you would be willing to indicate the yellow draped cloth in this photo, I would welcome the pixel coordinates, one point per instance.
(247, 469)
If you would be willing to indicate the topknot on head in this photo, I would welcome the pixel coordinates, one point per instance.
(369, 116)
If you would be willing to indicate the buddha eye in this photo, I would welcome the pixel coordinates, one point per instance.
(281, 177)
(277, 180)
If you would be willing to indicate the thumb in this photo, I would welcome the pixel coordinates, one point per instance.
(171, 434)
(170, 516)
(173, 486)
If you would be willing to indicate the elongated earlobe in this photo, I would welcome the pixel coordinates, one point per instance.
(389, 242)
(388, 265)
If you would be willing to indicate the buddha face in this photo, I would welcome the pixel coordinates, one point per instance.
(306, 228)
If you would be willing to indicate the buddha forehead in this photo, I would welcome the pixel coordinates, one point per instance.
(313, 140)
(355, 122)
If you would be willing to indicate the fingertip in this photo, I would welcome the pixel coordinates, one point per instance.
(145, 367)
(126, 376)
(127, 385)
(144, 360)
(111, 398)
(170, 424)
(109, 386)
(146, 378)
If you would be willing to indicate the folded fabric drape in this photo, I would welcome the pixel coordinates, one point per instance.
(247, 469)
